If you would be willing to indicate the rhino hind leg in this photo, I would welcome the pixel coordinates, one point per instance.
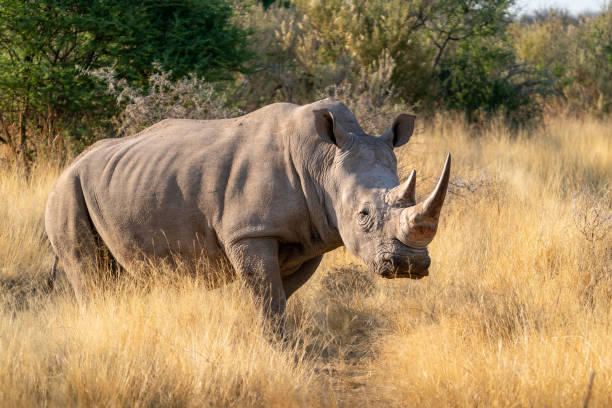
(72, 234)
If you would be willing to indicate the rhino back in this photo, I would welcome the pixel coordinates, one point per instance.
(187, 186)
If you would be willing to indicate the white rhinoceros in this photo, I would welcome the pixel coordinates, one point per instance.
(270, 192)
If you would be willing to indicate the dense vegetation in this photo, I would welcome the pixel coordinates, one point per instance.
(70, 68)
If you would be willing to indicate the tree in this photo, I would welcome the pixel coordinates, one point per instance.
(47, 45)
(184, 36)
(464, 20)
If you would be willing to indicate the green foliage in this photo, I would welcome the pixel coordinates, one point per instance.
(41, 90)
(576, 52)
(46, 45)
(315, 44)
(484, 78)
(184, 36)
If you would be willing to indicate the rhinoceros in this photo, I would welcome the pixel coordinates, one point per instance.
(270, 192)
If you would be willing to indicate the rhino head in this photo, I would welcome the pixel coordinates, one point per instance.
(378, 219)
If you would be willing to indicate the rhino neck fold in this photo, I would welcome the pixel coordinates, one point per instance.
(312, 167)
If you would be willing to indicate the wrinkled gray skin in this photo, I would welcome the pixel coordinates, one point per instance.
(270, 192)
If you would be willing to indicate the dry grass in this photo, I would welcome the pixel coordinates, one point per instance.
(517, 310)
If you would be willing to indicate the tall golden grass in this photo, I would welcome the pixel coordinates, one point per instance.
(516, 312)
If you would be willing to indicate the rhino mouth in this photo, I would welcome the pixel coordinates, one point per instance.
(410, 274)
(415, 267)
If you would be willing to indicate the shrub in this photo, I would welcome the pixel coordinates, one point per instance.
(188, 98)
(484, 78)
(577, 53)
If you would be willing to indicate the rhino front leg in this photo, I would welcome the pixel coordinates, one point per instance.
(256, 262)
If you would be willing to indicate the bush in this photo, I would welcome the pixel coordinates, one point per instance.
(188, 98)
(577, 53)
(483, 79)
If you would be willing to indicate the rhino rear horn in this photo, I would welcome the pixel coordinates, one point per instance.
(404, 195)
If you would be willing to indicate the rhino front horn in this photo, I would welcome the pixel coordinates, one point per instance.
(433, 205)
(419, 223)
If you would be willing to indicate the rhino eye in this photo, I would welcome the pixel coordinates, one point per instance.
(364, 219)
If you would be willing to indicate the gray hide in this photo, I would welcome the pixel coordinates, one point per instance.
(270, 192)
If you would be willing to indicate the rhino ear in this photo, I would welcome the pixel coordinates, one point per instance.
(399, 133)
(331, 130)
